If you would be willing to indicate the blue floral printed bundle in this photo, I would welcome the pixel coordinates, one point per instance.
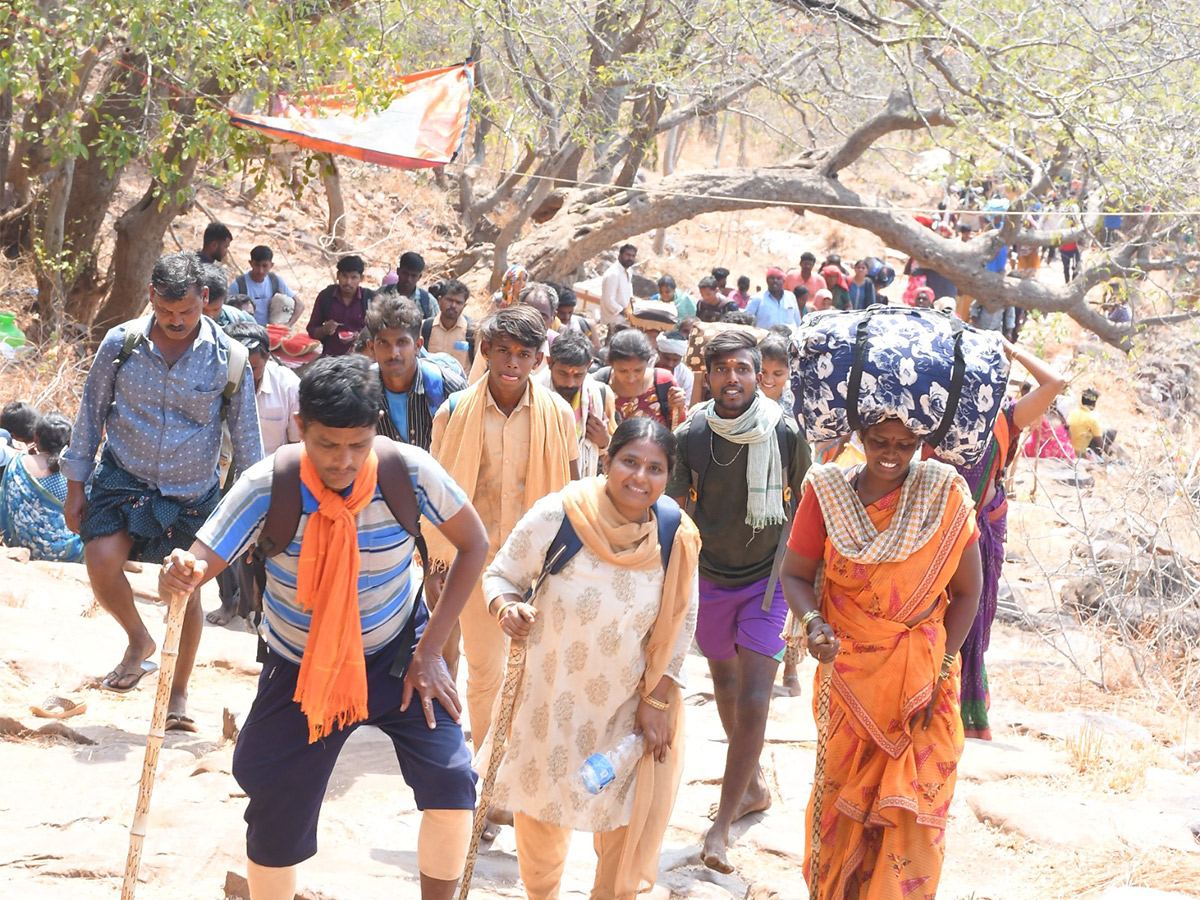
(911, 364)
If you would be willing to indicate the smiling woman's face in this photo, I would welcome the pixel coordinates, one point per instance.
(889, 448)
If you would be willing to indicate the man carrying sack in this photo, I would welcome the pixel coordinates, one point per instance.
(740, 460)
(350, 640)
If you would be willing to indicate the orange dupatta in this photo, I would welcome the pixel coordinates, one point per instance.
(332, 686)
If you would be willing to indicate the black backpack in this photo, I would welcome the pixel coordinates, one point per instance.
(284, 509)
(427, 330)
(239, 361)
(240, 284)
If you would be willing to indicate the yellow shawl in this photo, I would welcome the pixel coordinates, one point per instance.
(461, 447)
(630, 545)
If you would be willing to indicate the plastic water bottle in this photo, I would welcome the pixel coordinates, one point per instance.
(599, 769)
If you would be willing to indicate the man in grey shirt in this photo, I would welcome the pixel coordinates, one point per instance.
(158, 392)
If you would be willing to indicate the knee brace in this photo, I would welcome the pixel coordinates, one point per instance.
(442, 842)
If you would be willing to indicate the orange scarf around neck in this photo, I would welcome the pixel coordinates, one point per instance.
(332, 686)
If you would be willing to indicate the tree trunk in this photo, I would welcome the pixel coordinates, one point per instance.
(49, 261)
(332, 179)
(668, 166)
(140, 229)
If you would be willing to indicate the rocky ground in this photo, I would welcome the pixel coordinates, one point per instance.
(1085, 792)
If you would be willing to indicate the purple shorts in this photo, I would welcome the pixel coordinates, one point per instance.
(732, 617)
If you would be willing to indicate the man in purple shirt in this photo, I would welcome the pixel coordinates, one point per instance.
(340, 311)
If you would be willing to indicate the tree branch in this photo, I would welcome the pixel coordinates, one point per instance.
(898, 115)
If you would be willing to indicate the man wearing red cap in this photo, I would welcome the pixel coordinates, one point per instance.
(774, 306)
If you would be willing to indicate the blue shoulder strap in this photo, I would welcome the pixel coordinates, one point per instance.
(435, 386)
(566, 542)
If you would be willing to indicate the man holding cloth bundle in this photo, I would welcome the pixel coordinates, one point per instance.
(740, 462)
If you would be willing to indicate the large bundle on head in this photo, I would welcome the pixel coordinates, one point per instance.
(651, 315)
(703, 332)
(943, 379)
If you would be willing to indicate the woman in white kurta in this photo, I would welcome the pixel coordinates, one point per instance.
(607, 637)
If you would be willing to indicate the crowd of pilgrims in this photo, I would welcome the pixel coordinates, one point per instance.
(549, 454)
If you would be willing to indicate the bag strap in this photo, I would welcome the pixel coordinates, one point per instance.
(284, 506)
(240, 284)
(274, 284)
(668, 515)
(957, 374)
(239, 359)
(131, 342)
(854, 384)
(427, 330)
(699, 455)
(663, 391)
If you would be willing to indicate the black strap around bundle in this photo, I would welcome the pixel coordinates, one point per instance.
(958, 373)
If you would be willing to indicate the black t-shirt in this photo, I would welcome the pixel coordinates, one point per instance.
(731, 553)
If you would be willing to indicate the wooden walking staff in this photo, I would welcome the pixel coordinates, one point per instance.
(818, 800)
(176, 604)
(508, 698)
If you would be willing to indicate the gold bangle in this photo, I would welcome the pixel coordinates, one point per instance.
(808, 617)
(655, 702)
(504, 607)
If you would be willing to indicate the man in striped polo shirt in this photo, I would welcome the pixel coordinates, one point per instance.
(340, 610)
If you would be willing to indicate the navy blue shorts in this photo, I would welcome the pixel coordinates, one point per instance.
(285, 777)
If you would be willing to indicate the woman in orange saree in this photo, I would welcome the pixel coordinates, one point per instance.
(883, 576)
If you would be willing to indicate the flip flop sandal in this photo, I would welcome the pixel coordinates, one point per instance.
(110, 680)
(180, 722)
(56, 707)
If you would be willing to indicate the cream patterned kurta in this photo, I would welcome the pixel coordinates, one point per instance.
(585, 661)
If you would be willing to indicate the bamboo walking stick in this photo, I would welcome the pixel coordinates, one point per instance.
(176, 604)
(508, 698)
(818, 800)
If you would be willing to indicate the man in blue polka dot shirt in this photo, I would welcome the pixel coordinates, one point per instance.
(158, 410)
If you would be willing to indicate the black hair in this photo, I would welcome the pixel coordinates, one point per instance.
(174, 274)
(720, 273)
(808, 254)
(412, 261)
(666, 280)
(784, 331)
(351, 264)
(708, 282)
(243, 302)
(625, 247)
(521, 323)
(566, 295)
(1088, 398)
(739, 317)
(629, 344)
(19, 419)
(261, 253)
(393, 310)
(732, 341)
(212, 277)
(341, 392)
(52, 434)
(571, 348)
(642, 428)
(252, 335)
(675, 336)
(774, 347)
(687, 323)
(216, 231)
(743, 283)
(455, 287)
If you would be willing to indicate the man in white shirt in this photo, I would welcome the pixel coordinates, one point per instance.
(260, 284)
(277, 395)
(617, 287)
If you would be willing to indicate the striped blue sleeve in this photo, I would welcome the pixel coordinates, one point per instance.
(438, 496)
(236, 522)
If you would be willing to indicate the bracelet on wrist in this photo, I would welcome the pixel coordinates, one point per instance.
(654, 702)
(808, 618)
(504, 607)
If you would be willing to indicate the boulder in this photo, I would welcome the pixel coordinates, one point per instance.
(1067, 725)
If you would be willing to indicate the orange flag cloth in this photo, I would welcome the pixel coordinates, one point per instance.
(332, 686)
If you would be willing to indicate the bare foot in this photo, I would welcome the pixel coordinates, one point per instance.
(712, 854)
(222, 615)
(756, 799)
